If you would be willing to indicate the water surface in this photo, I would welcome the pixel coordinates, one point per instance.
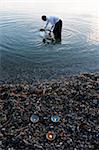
(25, 58)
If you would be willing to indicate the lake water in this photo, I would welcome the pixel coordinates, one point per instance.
(25, 58)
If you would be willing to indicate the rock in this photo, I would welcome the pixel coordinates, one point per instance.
(4, 95)
(38, 146)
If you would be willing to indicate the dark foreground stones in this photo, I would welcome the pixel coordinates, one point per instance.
(75, 99)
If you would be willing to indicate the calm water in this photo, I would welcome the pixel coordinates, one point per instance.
(25, 57)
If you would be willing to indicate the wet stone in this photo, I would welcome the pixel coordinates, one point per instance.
(4, 95)
(97, 87)
(95, 101)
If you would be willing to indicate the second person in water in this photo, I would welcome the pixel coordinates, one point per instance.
(56, 26)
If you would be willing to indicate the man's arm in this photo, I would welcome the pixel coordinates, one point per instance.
(52, 27)
(46, 25)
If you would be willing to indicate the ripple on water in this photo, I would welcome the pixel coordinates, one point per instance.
(20, 40)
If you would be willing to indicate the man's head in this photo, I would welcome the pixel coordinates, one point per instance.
(42, 30)
(44, 18)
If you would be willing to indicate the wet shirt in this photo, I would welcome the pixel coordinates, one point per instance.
(52, 20)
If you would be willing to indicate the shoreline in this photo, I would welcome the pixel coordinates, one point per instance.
(74, 99)
(34, 80)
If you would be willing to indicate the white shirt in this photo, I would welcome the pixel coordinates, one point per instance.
(52, 20)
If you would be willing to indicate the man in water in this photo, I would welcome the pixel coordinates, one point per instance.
(56, 26)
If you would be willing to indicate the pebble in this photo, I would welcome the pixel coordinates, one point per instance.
(74, 100)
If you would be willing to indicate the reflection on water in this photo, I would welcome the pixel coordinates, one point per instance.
(25, 57)
(94, 33)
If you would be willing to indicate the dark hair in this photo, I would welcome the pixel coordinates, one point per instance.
(44, 18)
(42, 29)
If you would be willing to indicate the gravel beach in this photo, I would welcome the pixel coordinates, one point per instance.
(73, 99)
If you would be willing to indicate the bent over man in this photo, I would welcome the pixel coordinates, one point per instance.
(56, 26)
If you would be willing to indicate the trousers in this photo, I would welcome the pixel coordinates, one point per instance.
(57, 30)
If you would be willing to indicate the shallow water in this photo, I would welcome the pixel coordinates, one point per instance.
(25, 58)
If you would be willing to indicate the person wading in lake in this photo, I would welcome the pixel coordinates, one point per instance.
(56, 26)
